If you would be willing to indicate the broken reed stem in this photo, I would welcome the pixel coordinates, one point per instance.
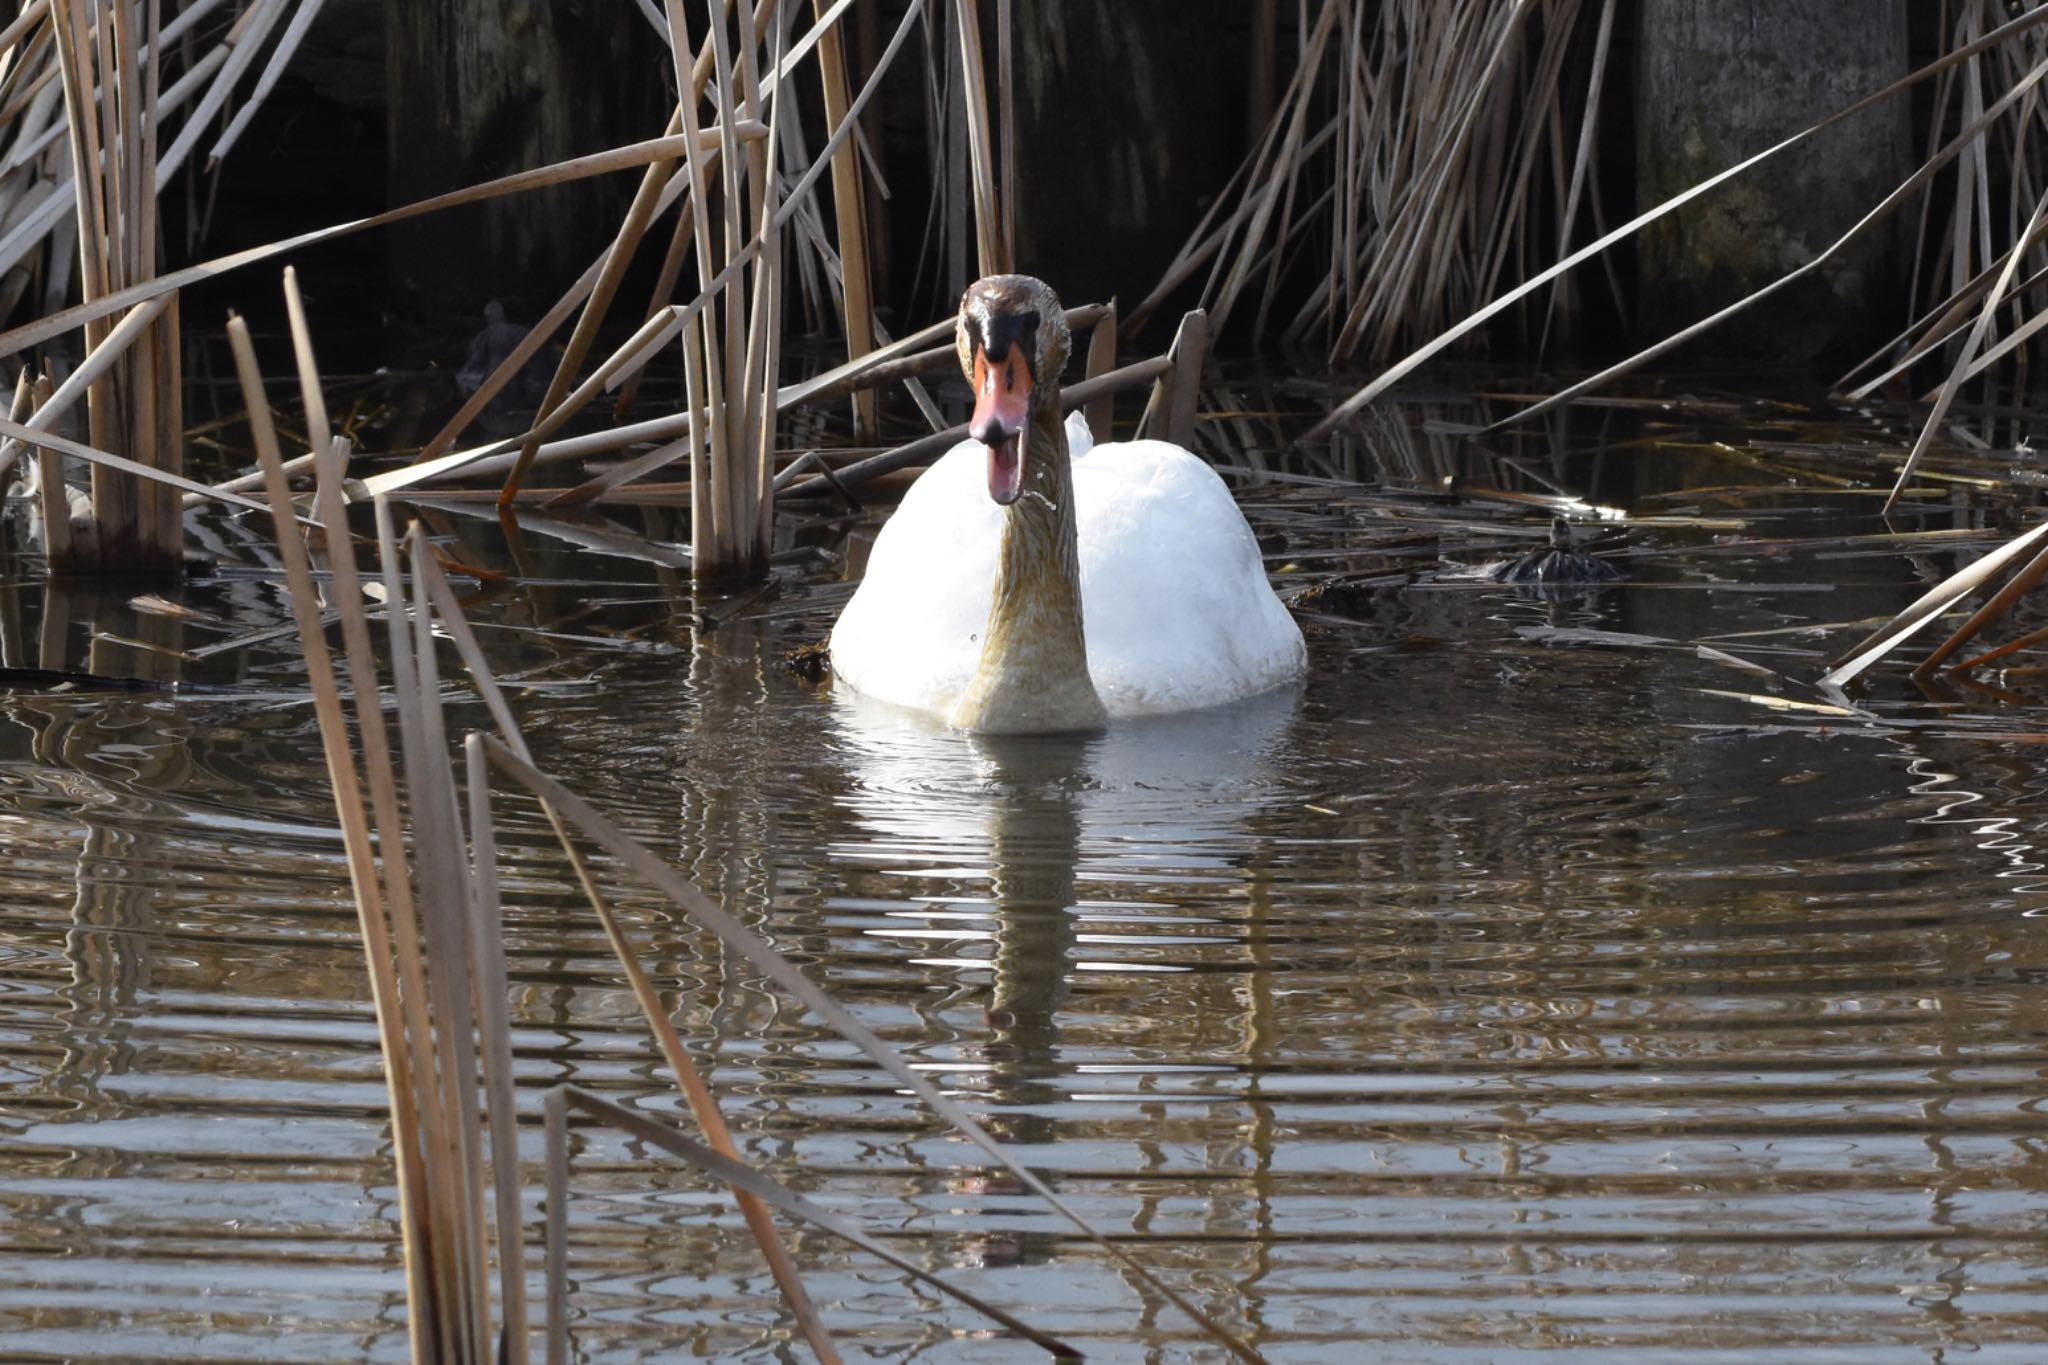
(50, 489)
(18, 339)
(653, 872)
(736, 1172)
(2027, 641)
(18, 412)
(892, 363)
(1999, 604)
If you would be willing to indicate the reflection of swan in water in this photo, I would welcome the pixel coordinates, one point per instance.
(1163, 799)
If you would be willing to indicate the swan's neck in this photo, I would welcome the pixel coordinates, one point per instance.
(1033, 676)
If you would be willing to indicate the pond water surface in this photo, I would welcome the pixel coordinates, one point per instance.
(1511, 991)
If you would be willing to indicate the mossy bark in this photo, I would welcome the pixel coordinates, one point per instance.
(1718, 82)
(489, 87)
(1129, 118)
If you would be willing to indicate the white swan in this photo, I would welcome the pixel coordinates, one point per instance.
(1018, 590)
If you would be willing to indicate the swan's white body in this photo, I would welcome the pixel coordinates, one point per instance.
(1175, 605)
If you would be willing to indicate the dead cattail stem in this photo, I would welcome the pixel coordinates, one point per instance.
(785, 976)
(703, 1105)
(18, 412)
(728, 1167)
(109, 74)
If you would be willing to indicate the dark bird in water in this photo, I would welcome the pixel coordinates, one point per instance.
(1557, 563)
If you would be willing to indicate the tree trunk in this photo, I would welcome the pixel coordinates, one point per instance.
(489, 87)
(1718, 82)
(1129, 116)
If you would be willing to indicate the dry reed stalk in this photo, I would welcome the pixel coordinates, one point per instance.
(106, 58)
(18, 412)
(1912, 184)
(849, 206)
(281, 55)
(992, 247)
(731, 331)
(56, 506)
(877, 368)
(2010, 647)
(1972, 345)
(27, 434)
(703, 1105)
(436, 1065)
(444, 1031)
(1006, 105)
(1998, 605)
(370, 889)
(928, 448)
(1400, 369)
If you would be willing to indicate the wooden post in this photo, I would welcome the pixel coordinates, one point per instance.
(1101, 413)
(1170, 412)
(490, 87)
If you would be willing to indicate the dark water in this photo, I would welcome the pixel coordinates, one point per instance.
(1504, 994)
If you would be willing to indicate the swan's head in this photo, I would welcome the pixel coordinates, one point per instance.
(1013, 343)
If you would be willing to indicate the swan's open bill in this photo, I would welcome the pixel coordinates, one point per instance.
(1021, 589)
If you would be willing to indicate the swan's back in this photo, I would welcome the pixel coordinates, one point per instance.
(1174, 597)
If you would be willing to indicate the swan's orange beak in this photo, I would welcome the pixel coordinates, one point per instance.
(1002, 410)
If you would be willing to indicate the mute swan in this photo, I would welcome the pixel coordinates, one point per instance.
(1017, 590)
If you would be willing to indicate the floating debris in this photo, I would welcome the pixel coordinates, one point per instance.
(812, 662)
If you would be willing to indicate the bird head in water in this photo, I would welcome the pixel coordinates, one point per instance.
(1013, 343)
